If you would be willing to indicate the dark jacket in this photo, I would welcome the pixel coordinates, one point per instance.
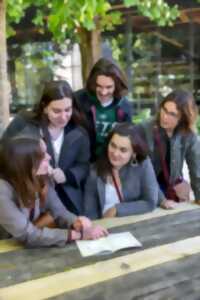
(139, 186)
(182, 147)
(123, 109)
(73, 160)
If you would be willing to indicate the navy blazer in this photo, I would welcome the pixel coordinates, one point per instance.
(74, 162)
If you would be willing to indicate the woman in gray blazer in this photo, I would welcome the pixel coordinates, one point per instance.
(171, 139)
(29, 204)
(123, 181)
(56, 118)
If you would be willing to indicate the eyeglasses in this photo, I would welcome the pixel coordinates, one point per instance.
(170, 113)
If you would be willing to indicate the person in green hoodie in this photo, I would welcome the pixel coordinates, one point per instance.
(103, 102)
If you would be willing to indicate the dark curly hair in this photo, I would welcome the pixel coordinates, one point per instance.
(103, 165)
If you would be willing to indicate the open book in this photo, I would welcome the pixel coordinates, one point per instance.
(106, 245)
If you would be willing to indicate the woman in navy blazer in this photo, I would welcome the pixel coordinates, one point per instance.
(57, 120)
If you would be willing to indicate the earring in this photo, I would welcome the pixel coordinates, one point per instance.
(134, 159)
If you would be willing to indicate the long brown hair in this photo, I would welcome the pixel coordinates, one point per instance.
(185, 104)
(103, 165)
(57, 90)
(107, 68)
(19, 158)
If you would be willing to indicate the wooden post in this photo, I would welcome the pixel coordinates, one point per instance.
(129, 52)
(159, 72)
(191, 47)
(90, 48)
(4, 85)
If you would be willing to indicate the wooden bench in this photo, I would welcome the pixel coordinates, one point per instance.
(167, 266)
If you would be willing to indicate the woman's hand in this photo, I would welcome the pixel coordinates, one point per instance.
(183, 191)
(45, 220)
(82, 223)
(95, 232)
(168, 204)
(110, 213)
(58, 175)
(50, 170)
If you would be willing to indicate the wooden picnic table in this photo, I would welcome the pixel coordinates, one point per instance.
(166, 267)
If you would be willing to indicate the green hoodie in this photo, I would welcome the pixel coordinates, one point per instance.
(105, 121)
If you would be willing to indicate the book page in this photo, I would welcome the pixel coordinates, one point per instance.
(88, 248)
(122, 240)
(107, 245)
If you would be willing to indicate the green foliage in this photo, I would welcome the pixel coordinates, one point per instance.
(198, 122)
(116, 46)
(15, 10)
(142, 116)
(36, 64)
(65, 17)
(156, 10)
(39, 19)
(129, 3)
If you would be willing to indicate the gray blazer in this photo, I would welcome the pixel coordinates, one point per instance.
(182, 147)
(15, 221)
(139, 187)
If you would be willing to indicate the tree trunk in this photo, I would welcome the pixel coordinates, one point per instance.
(90, 48)
(4, 85)
(129, 52)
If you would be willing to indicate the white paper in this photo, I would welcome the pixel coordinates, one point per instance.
(111, 243)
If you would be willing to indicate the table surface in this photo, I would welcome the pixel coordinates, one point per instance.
(166, 267)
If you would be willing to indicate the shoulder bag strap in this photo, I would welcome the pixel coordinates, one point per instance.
(119, 194)
(161, 154)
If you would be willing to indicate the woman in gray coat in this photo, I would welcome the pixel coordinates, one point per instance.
(28, 203)
(171, 139)
(122, 182)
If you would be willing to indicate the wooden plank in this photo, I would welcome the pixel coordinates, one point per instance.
(166, 229)
(159, 212)
(60, 283)
(177, 279)
(29, 264)
(11, 245)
